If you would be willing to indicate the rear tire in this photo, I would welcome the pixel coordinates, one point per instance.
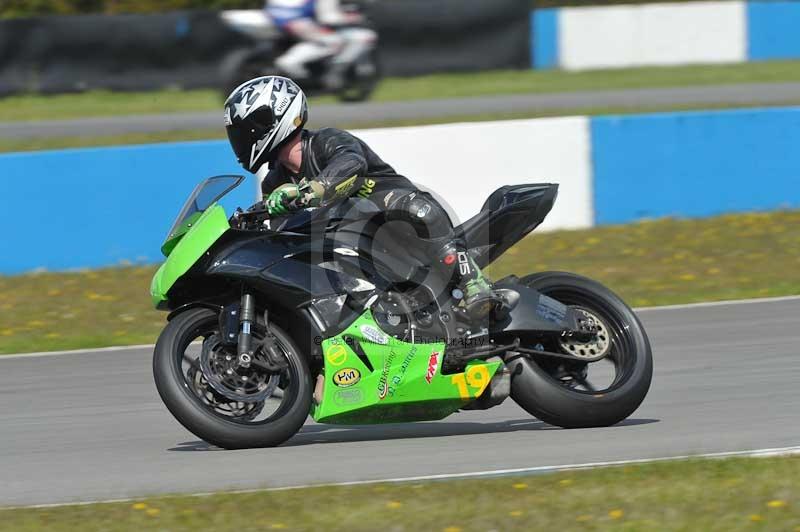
(536, 390)
(359, 88)
(190, 412)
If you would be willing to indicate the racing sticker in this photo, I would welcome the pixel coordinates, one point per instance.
(344, 378)
(550, 309)
(397, 380)
(348, 396)
(383, 382)
(367, 188)
(374, 335)
(343, 189)
(433, 366)
(475, 379)
(346, 251)
(336, 355)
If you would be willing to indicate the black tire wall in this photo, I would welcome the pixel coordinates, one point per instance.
(185, 49)
(120, 52)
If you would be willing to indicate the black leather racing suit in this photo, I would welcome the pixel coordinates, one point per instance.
(345, 166)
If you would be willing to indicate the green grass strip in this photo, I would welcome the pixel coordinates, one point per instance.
(649, 263)
(741, 494)
(58, 143)
(457, 85)
(55, 143)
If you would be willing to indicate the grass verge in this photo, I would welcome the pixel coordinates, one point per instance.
(648, 263)
(55, 143)
(105, 103)
(731, 495)
(58, 143)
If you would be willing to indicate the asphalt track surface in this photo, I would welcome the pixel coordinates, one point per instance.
(373, 112)
(90, 426)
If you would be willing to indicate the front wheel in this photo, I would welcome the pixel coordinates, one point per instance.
(243, 65)
(229, 406)
(613, 378)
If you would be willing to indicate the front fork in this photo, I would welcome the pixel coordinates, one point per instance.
(246, 318)
(274, 359)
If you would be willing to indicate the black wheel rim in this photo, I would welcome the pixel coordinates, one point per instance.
(604, 375)
(203, 394)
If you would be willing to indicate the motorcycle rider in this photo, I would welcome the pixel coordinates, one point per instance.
(264, 119)
(313, 23)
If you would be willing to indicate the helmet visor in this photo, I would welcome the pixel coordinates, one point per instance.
(245, 134)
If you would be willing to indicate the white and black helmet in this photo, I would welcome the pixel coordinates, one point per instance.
(261, 115)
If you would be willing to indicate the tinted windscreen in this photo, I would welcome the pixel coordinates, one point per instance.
(205, 194)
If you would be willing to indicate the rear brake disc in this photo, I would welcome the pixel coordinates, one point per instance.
(591, 350)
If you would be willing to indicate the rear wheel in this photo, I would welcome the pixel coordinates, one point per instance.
(362, 78)
(613, 377)
(234, 407)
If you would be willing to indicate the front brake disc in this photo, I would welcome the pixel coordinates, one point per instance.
(231, 380)
(218, 403)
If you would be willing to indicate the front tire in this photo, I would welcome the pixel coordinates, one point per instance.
(241, 66)
(226, 423)
(542, 386)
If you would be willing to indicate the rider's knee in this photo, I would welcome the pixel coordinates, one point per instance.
(424, 213)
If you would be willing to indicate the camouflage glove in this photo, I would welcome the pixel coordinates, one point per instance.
(311, 193)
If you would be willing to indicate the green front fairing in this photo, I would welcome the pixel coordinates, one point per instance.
(206, 230)
(177, 236)
(398, 387)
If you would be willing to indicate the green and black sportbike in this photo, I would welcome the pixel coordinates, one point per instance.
(275, 319)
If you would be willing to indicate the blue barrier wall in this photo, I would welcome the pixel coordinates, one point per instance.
(544, 38)
(72, 209)
(103, 206)
(695, 164)
(773, 30)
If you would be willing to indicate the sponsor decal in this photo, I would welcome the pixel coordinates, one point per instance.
(550, 309)
(397, 380)
(336, 355)
(346, 251)
(387, 198)
(374, 335)
(367, 188)
(463, 263)
(343, 189)
(433, 366)
(407, 360)
(281, 106)
(348, 396)
(423, 211)
(383, 382)
(346, 377)
(473, 382)
(282, 97)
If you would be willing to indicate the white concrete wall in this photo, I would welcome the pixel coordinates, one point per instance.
(465, 163)
(654, 34)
